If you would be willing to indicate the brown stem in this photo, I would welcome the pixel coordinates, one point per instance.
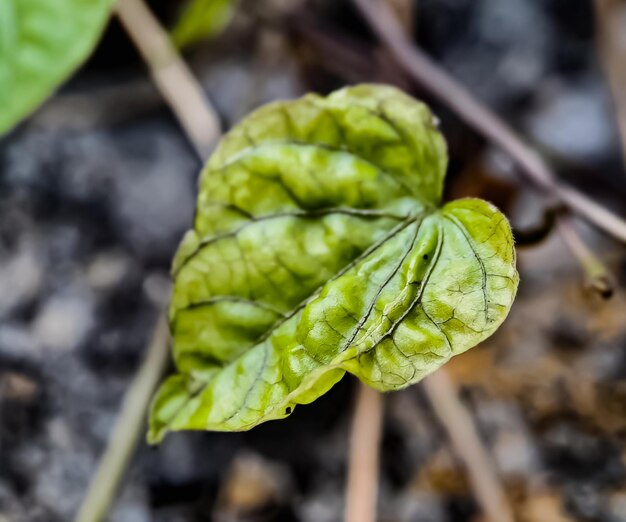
(179, 87)
(611, 38)
(201, 124)
(403, 10)
(363, 463)
(442, 86)
(536, 234)
(598, 276)
(127, 430)
(457, 421)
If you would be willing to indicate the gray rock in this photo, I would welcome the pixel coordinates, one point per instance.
(143, 178)
(17, 342)
(157, 287)
(131, 512)
(108, 270)
(64, 322)
(20, 277)
(505, 23)
(75, 165)
(237, 86)
(616, 507)
(326, 504)
(420, 507)
(585, 502)
(574, 122)
(62, 481)
(153, 197)
(510, 440)
(496, 58)
(132, 505)
(190, 457)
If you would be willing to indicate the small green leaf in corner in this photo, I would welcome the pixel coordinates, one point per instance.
(202, 19)
(41, 43)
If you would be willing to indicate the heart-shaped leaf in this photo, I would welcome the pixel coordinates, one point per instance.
(320, 247)
(41, 43)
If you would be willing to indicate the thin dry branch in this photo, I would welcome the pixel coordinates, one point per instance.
(363, 464)
(127, 430)
(199, 120)
(172, 76)
(458, 422)
(443, 87)
(598, 275)
(611, 38)
(404, 10)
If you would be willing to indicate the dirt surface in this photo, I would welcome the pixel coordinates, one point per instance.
(98, 187)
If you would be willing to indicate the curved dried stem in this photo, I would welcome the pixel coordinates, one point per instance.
(599, 278)
(611, 39)
(443, 87)
(363, 463)
(172, 76)
(536, 234)
(461, 429)
(127, 430)
(196, 115)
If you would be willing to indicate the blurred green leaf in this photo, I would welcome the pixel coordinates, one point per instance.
(202, 19)
(320, 246)
(42, 42)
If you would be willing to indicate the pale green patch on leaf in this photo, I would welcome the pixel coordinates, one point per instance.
(320, 246)
(41, 43)
(202, 19)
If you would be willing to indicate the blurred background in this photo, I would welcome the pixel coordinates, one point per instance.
(98, 186)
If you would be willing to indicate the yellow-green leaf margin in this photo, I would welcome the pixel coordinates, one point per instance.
(320, 246)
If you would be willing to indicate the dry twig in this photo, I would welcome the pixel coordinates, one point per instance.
(458, 422)
(404, 10)
(362, 486)
(442, 86)
(611, 37)
(201, 124)
(598, 276)
(127, 430)
(176, 82)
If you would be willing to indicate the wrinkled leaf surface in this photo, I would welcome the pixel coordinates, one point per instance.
(320, 246)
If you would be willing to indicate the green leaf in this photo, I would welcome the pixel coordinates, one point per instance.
(41, 43)
(202, 19)
(320, 246)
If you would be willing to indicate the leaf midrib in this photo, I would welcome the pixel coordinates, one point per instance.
(199, 386)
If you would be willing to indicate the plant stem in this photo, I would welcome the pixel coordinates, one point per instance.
(403, 10)
(598, 276)
(536, 234)
(128, 427)
(611, 40)
(594, 212)
(363, 463)
(172, 76)
(443, 87)
(199, 120)
(461, 429)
